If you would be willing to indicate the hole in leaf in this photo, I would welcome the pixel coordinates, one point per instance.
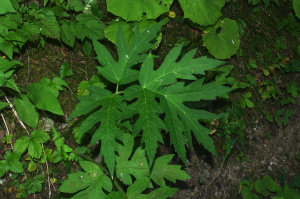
(160, 2)
(219, 30)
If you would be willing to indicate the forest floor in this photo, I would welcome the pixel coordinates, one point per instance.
(269, 147)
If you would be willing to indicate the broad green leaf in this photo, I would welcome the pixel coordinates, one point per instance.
(42, 98)
(49, 27)
(33, 143)
(132, 10)
(91, 182)
(224, 44)
(31, 31)
(11, 20)
(6, 6)
(89, 27)
(3, 105)
(112, 30)
(202, 12)
(6, 47)
(26, 110)
(76, 5)
(67, 35)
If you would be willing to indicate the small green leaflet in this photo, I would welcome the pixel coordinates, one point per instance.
(34, 185)
(135, 190)
(65, 71)
(91, 182)
(33, 143)
(55, 86)
(11, 163)
(62, 149)
(138, 165)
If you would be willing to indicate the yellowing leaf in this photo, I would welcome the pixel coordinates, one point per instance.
(172, 14)
(284, 60)
(53, 180)
(212, 131)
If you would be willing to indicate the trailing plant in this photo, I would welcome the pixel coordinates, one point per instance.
(263, 187)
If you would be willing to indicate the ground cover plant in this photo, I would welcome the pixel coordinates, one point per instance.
(168, 92)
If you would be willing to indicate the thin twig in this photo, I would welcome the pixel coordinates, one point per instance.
(47, 173)
(16, 114)
(28, 66)
(7, 130)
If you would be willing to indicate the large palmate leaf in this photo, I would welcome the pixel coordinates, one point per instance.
(154, 93)
(152, 84)
(132, 10)
(203, 12)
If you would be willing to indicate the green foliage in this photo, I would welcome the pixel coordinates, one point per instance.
(33, 143)
(150, 86)
(11, 163)
(225, 43)
(245, 101)
(267, 185)
(95, 179)
(65, 71)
